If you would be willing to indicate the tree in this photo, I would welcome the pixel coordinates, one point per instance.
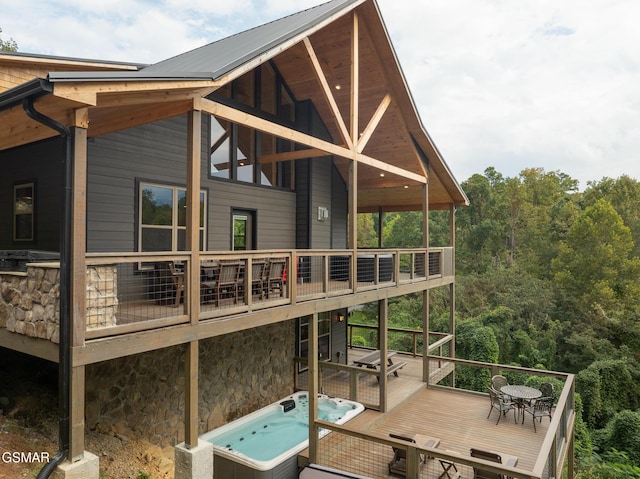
(8, 45)
(594, 265)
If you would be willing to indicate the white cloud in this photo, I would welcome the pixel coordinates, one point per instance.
(532, 83)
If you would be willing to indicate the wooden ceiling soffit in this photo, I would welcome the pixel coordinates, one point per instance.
(242, 118)
(111, 119)
(21, 129)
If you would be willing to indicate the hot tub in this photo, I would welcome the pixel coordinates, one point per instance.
(265, 443)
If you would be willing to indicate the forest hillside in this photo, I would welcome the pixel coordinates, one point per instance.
(547, 277)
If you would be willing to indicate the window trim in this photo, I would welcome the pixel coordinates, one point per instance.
(174, 227)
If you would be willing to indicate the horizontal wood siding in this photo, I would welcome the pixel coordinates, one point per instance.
(321, 198)
(157, 153)
(274, 212)
(339, 210)
(42, 163)
(303, 193)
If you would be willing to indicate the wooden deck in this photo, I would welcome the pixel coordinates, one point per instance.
(457, 418)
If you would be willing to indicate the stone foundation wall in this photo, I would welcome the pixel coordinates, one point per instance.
(143, 395)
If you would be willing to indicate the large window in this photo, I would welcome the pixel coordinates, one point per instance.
(235, 149)
(23, 212)
(163, 218)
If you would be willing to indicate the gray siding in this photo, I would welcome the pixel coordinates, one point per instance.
(42, 163)
(157, 153)
(339, 211)
(321, 197)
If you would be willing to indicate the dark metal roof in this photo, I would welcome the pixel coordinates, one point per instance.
(32, 88)
(223, 56)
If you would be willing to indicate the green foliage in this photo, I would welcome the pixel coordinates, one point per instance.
(608, 386)
(8, 45)
(143, 475)
(622, 434)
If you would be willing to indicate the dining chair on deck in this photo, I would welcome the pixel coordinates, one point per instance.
(275, 276)
(259, 271)
(500, 404)
(226, 282)
(547, 390)
(479, 473)
(539, 409)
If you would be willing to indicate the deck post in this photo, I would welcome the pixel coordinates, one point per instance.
(425, 294)
(194, 127)
(383, 322)
(78, 284)
(452, 290)
(313, 388)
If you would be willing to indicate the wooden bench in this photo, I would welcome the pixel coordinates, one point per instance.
(393, 368)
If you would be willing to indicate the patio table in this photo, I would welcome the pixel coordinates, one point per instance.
(372, 360)
(522, 395)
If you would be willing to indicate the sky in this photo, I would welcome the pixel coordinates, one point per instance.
(508, 84)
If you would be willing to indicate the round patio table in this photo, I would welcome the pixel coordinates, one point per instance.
(522, 396)
(521, 392)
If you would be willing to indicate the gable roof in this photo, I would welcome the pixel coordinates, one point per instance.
(397, 137)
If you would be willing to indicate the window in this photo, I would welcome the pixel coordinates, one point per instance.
(235, 150)
(23, 212)
(324, 336)
(163, 218)
(243, 229)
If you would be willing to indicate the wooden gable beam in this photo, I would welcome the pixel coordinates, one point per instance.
(291, 155)
(355, 80)
(326, 90)
(235, 116)
(373, 123)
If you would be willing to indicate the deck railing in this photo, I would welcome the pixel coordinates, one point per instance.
(134, 291)
(355, 451)
(438, 342)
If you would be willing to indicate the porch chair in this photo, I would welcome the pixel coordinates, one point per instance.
(226, 282)
(539, 409)
(479, 473)
(170, 283)
(275, 277)
(547, 390)
(501, 404)
(259, 272)
(398, 465)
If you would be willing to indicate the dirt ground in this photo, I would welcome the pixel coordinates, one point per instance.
(29, 424)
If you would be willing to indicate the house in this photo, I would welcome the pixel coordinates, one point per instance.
(180, 236)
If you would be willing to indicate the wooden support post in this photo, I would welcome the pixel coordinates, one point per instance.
(383, 325)
(192, 281)
(76, 419)
(194, 128)
(78, 287)
(191, 394)
(425, 294)
(452, 290)
(313, 373)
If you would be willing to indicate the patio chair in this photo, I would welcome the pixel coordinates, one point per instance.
(226, 283)
(498, 381)
(547, 390)
(398, 465)
(479, 473)
(275, 276)
(502, 405)
(539, 409)
(259, 271)
(170, 283)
